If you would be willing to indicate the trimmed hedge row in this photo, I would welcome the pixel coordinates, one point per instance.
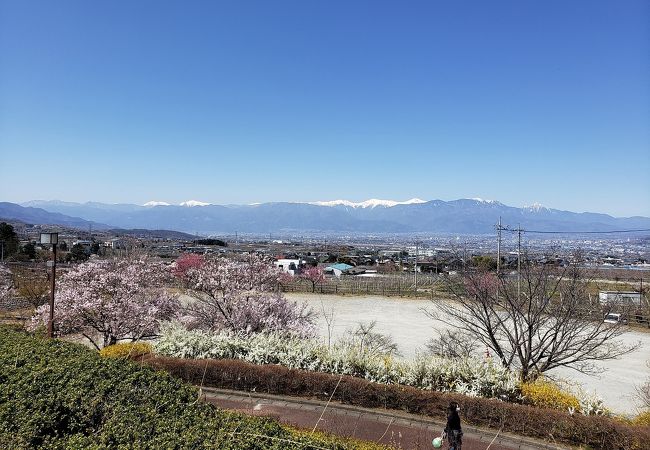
(593, 431)
(59, 395)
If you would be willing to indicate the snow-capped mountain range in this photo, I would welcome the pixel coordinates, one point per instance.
(372, 203)
(469, 216)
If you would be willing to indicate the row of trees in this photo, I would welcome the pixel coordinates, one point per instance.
(112, 300)
(11, 248)
(533, 322)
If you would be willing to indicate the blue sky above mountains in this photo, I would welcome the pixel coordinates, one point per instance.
(242, 102)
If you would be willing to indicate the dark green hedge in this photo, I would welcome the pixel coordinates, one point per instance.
(55, 394)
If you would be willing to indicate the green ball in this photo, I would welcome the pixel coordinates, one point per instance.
(437, 442)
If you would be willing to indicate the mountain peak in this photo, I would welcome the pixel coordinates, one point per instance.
(371, 203)
(192, 203)
(156, 203)
(536, 207)
(482, 200)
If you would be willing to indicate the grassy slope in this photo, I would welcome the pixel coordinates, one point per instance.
(60, 395)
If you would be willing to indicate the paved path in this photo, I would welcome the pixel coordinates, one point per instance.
(389, 427)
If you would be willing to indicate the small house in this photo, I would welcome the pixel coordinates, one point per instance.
(620, 297)
(337, 269)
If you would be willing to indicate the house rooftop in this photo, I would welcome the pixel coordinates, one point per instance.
(340, 266)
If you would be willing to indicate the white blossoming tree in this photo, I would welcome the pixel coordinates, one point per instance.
(109, 301)
(242, 296)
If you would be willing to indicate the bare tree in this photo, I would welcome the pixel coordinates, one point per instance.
(329, 321)
(34, 288)
(453, 345)
(367, 340)
(534, 321)
(643, 392)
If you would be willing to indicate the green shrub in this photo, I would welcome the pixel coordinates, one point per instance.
(55, 394)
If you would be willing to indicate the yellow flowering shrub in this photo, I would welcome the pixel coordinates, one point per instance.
(126, 350)
(642, 419)
(548, 395)
(333, 440)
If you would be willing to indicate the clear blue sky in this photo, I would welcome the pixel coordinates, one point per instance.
(241, 101)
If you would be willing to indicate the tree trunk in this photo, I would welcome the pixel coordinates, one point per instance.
(109, 339)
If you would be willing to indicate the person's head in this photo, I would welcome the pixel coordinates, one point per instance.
(454, 407)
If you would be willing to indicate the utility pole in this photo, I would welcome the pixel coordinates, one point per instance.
(499, 228)
(464, 256)
(641, 294)
(50, 323)
(416, 267)
(518, 261)
(53, 239)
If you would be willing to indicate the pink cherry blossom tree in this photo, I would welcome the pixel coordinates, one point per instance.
(481, 284)
(285, 278)
(185, 263)
(314, 275)
(241, 295)
(109, 301)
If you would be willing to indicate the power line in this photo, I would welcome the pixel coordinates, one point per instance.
(578, 232)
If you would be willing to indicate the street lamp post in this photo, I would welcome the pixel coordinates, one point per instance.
(51, 238)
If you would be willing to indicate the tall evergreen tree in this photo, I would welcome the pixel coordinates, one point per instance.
(9, 239)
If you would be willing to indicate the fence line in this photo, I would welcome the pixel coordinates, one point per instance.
(389, 286)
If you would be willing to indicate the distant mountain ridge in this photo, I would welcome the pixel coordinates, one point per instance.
(464, 216)
(40, 216)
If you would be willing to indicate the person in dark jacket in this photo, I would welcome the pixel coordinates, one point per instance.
(453, 431)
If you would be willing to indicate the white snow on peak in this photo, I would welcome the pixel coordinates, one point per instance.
(155, 203)
(536, 207)
(413, 201)
(191, 203)
(335, 203)
(372, 203)
(481, 200)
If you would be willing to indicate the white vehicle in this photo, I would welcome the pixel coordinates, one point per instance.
(615, 318)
